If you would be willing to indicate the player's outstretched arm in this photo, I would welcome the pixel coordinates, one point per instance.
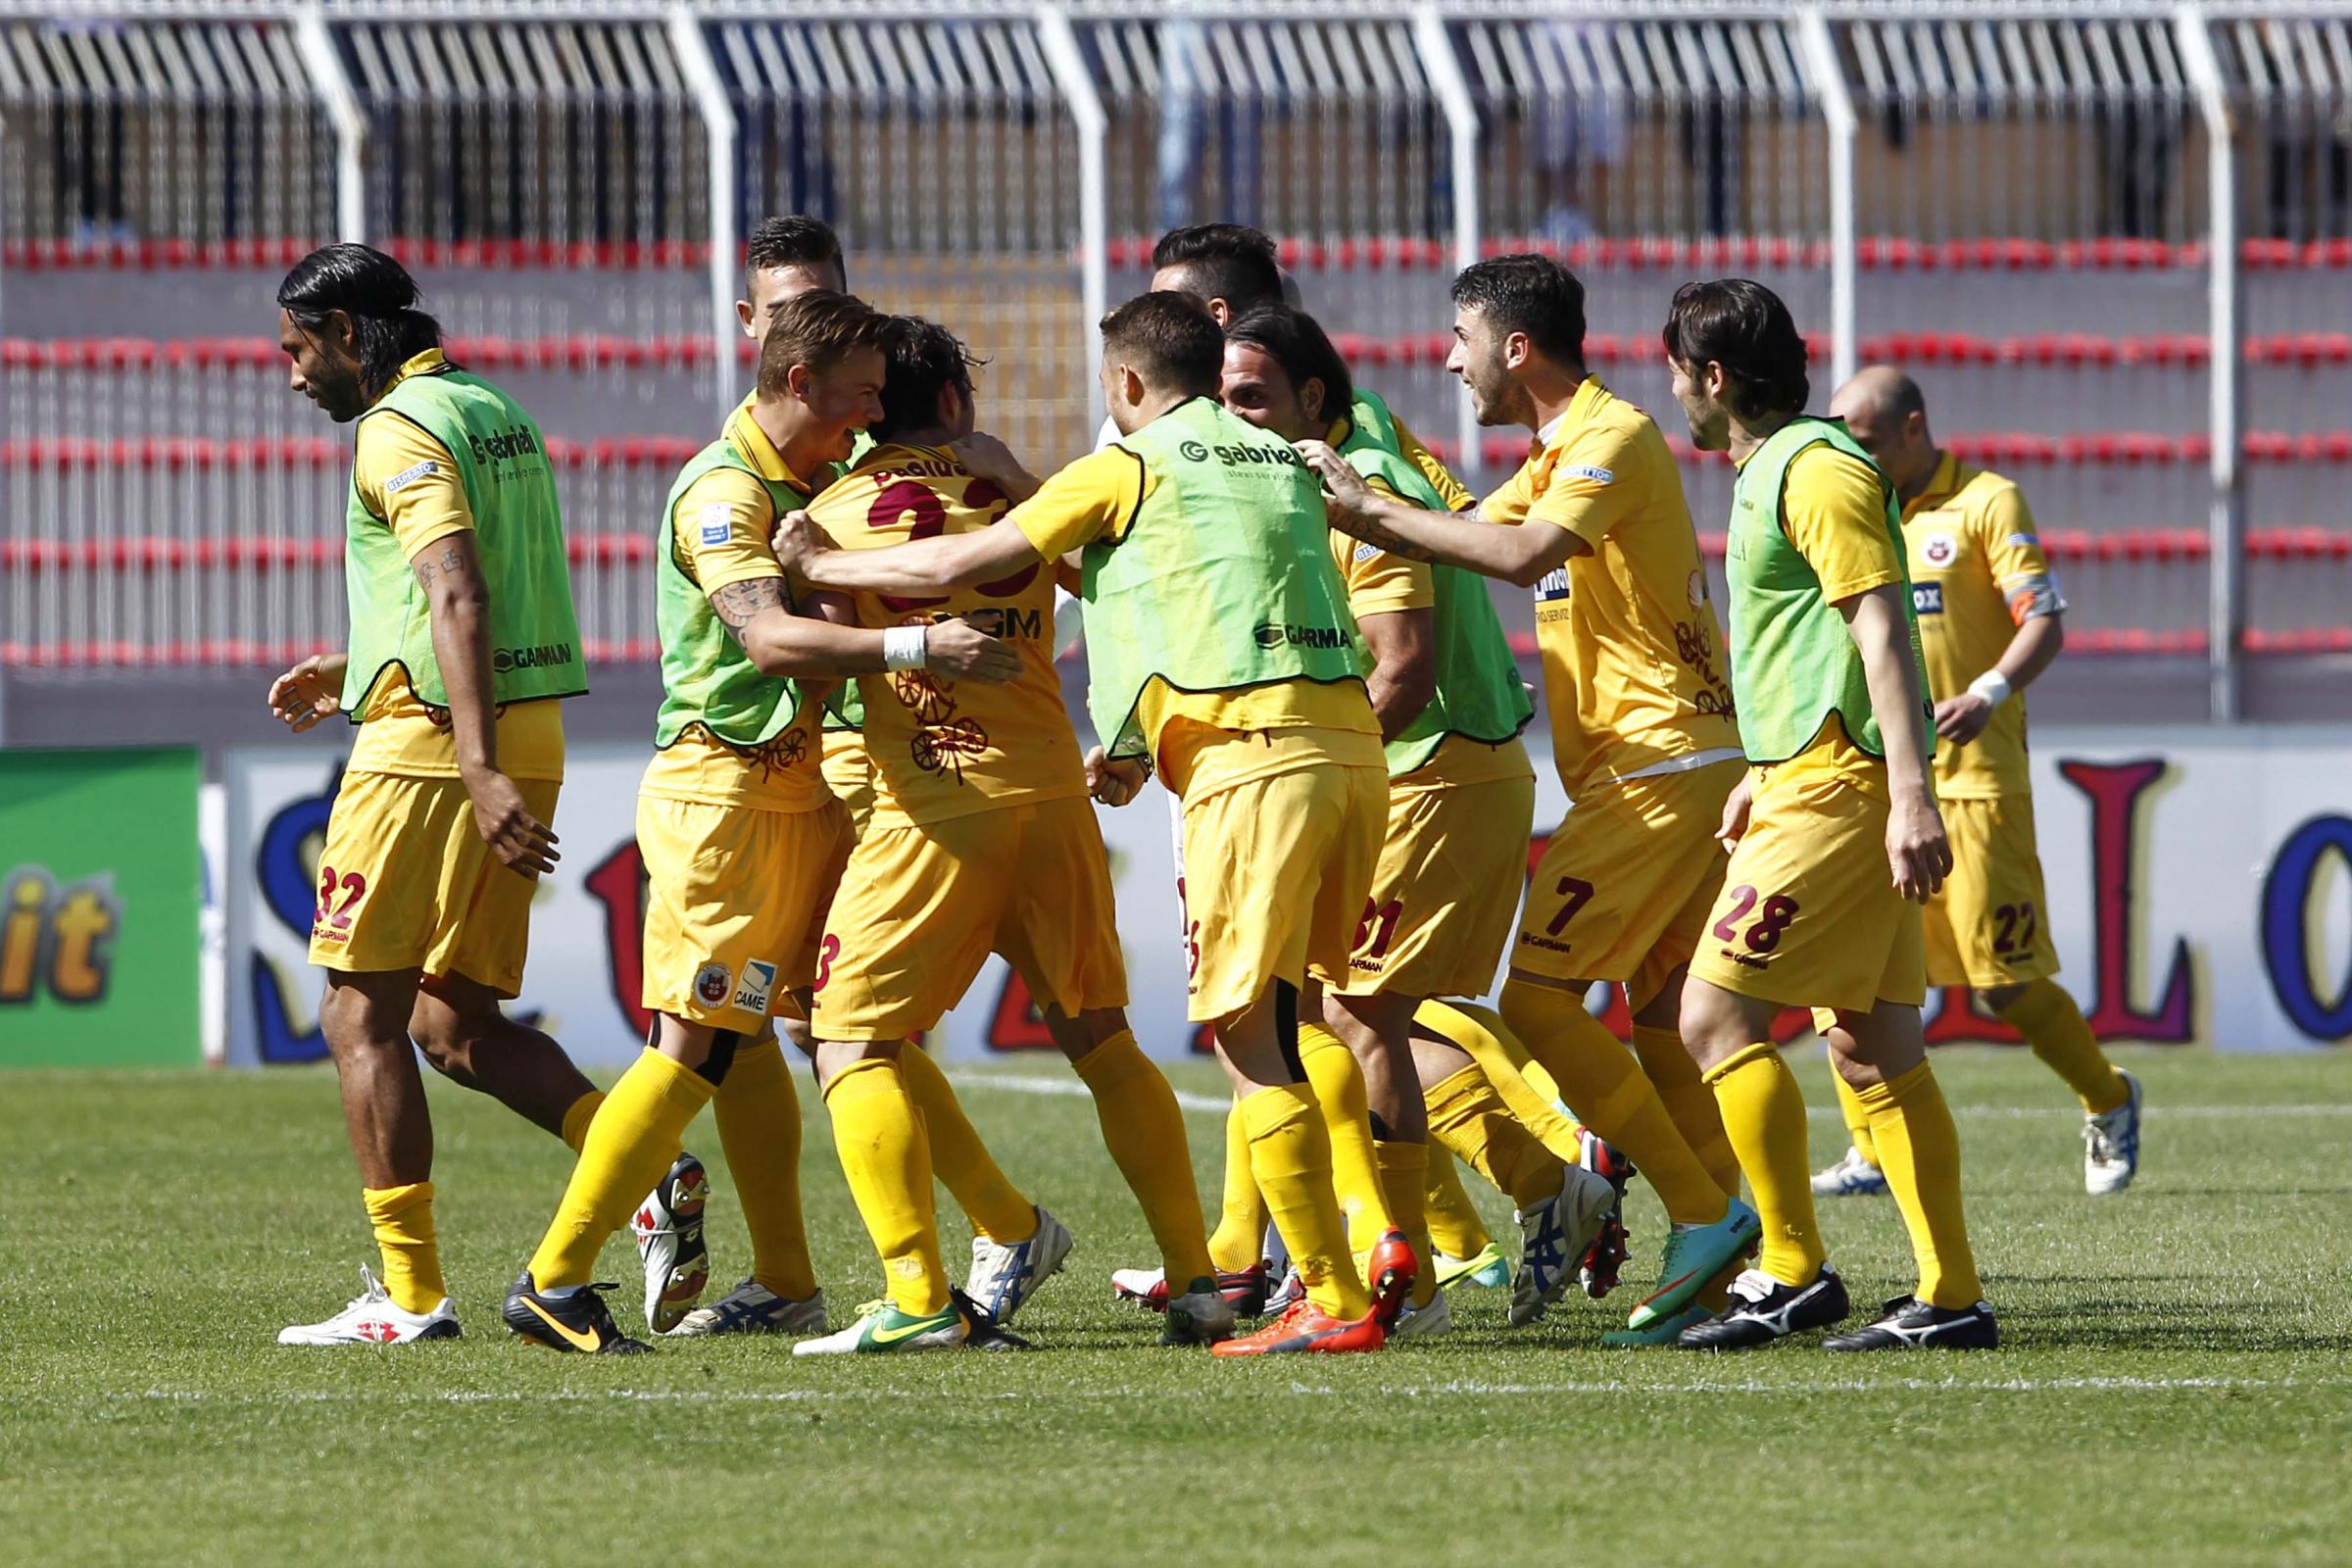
(787, 646)
(456, 603)
(919, 566)
(311, 691)
(1918, 855)
(1519, 555)
(992, 459)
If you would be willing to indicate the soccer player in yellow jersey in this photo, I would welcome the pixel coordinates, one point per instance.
(981, 838)
(1643, 736)
(461, 641)
(1451, 704)
(1835, 839)
(1991, 621)
(743, 845)
(1231, 268)
(1220, 649)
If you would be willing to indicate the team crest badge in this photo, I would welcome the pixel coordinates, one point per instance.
(1939, 549)
(711, 984)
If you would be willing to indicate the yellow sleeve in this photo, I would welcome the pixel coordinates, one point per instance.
(1380, 583)
(1509, 504)
(1835, 509)
(407, 477)
(2005, 532)
(1091, 498)
(1592, 488)
(1440, 478)
(720, 531)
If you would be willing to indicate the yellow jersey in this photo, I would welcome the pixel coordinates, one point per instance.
(1978, 573)
(942, 748)
(721, 533)
(1633, 661)
(1095, 498)
(408, 478)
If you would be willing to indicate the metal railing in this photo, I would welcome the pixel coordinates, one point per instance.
(2111, 234)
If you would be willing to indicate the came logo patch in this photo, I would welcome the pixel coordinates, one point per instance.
(759, 983)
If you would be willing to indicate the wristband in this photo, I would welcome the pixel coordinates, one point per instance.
(1992, 686)
(905, 647)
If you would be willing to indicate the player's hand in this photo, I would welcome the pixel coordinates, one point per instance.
(1114, 783)
(992, 459)
(796, 541)
(956, 648)
(1735, 813)
(1962, 718)
(311, 691)
(1918, 855)
(520, 841)
(1345, 496)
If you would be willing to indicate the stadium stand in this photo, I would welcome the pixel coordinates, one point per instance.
(2033, 234)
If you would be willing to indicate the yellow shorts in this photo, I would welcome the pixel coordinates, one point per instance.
(921, 907)
(1276, 872)
(1623, 891)
(1441, 907)
(1990, 924)
(850, 774)
(1808, 915)
(406, 882)
(734, 901)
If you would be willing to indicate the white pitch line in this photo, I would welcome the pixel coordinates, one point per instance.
(1214, 1106)
(1459, 1389)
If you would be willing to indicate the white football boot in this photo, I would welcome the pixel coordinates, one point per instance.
(1005, 1275)
(2111, 1146)
(1851, 1177)
(753, 1308)
(668, 1227)
(372, 1319)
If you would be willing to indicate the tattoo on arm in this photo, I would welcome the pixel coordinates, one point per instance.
(450, 562)
(738, 604)
(1363, 527)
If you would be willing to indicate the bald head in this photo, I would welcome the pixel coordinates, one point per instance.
(1884, 411)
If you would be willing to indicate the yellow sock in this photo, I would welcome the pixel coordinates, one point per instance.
(1240, 1240)
(1688, 1102)
(1857, 1119)
(1338, 1085)
(1468, 1117)
(2061, 1037)
(1919, 1150)
(997, 1209)
(1454, 1226)
(1500, 1054)
(631, 1141)
(403, 1218)
(758, 1114)
(1764, 1115)
(1604, 1083)
(1404, 1183)
(1290, 1150)
(1144, 1130)
(577, 1119)
(879, 1132)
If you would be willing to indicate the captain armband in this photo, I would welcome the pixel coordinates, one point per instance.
(2034, 596)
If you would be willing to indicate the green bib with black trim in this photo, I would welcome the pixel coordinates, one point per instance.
(517, 536)
(1222, 580)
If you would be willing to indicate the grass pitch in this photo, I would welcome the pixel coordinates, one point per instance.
(2174, 1389)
